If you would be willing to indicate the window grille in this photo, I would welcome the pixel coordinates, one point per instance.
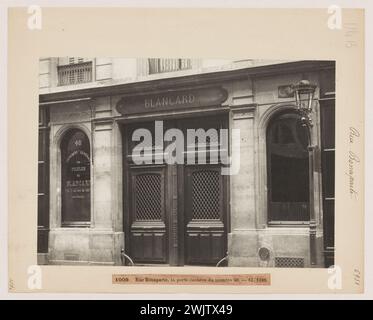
(148, 197)
(289, 262)
(74, 73)
(206, 195)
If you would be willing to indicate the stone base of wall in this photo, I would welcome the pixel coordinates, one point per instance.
(286, 243)
(42, 259)
(85, 246)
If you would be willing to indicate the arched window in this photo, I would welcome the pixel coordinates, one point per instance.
(76, 179)
(287, 169)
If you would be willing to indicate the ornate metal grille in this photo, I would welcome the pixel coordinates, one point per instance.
(148, 197)
(288, 262)
(206, 195)
(74, 73)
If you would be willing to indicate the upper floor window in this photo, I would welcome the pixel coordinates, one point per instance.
(74, 70)
(287, 170)
(75, 60)
(168, 65)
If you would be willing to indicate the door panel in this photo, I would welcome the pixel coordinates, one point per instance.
(205, 246)
(148, 238)
(204, 210)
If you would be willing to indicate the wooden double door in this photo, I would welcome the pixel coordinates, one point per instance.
(175, 214)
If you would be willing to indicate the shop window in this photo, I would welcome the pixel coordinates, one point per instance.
(76, 179)
(287, 170)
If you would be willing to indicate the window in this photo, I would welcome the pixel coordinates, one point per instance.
(168, 65)
(76, 181)
(287, 170)
(73, 70)
(73, 60)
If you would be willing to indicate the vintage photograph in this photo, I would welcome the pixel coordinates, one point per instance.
(186, 162)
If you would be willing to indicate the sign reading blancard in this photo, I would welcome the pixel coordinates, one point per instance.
(172, 100)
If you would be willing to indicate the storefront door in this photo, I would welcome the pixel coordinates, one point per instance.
(175, 214)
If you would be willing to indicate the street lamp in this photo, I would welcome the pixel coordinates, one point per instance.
(304, 92)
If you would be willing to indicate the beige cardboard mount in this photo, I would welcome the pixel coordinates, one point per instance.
(298, 34)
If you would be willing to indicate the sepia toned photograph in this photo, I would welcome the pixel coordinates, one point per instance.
(180, 154)
(186, 162)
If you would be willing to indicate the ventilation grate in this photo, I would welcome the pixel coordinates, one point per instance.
(289, 262)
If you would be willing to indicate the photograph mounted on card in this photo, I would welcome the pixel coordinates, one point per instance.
(165, 168)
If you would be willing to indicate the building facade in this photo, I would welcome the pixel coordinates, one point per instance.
(97, 205)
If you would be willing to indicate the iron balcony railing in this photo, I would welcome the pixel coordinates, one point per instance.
(74, 73)
(168, 65)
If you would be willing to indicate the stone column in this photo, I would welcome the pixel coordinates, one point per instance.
(102, 175)
(242, 243)
(106, 238)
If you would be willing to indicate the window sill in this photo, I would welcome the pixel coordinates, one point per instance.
(80, 224)
(288, 224)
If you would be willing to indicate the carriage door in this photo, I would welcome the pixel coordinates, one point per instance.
(175, 214)
(146, 192)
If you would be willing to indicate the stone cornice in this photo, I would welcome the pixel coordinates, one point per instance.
(185, 82)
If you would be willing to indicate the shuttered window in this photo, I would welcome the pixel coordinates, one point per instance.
(168, 65)
(327, 114)
(43, 181)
